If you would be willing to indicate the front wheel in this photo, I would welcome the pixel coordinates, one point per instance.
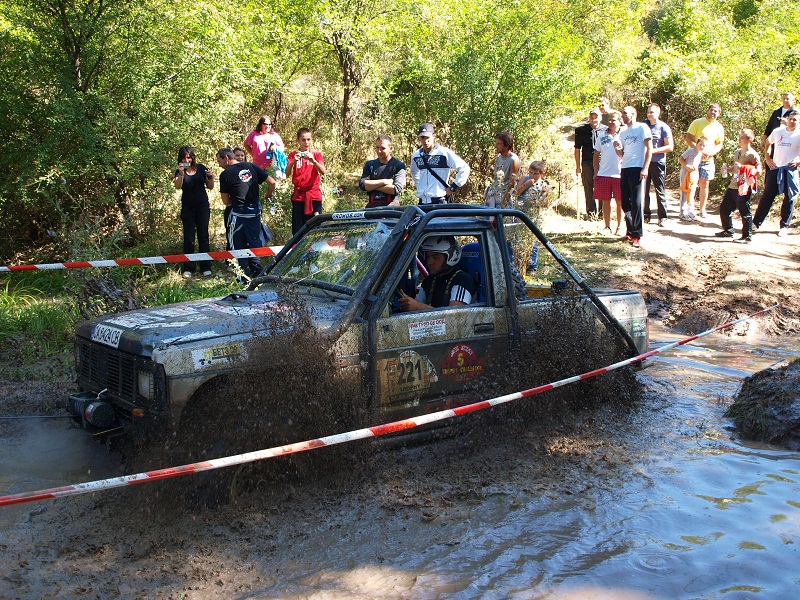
(226, 417)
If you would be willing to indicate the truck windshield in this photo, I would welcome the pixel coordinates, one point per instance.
(339, 253)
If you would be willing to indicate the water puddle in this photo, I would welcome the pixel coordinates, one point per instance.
(688, 511)
(46, 453)
(697, 513)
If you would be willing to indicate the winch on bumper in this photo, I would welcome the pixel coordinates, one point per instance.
(94, 411)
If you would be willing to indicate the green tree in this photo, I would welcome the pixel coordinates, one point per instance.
(109, 92)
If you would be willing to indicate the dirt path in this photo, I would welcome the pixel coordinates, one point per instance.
(693, 280)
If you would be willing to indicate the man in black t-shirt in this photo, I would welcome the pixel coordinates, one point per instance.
(445, 285)
(384, 177)
(238, 187)
(777, 118)
(585, 136)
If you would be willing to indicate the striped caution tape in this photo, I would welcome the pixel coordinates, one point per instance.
(151, 260)
(341, 438)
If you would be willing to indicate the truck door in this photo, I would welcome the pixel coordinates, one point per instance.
(429, 359)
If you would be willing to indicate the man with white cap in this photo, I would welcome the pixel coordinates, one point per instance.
(430, 169)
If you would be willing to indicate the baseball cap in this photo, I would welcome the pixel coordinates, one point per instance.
(425, 130)
(596, 111)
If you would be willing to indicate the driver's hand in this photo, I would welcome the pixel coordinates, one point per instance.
(407, 302)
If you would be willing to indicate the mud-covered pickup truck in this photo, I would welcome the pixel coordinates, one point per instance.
(142, 369)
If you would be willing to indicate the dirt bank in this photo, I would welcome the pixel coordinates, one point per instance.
(767, 408)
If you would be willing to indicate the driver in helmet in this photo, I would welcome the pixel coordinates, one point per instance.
(445, 285)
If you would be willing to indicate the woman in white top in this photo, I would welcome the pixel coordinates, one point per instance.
(608, 168)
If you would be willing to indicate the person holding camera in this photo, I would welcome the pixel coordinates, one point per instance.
(306, 167)
(193, 179)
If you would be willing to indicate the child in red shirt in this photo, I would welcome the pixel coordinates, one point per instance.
(747, 168)
(306, 168)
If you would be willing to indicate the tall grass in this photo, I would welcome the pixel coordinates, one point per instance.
(33, 324)
(170, 289)
(36, 324)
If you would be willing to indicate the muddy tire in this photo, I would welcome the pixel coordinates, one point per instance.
(520, 287)
(225, 418)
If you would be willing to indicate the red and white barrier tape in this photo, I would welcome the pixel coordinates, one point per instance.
(331, 440)
(151, 260)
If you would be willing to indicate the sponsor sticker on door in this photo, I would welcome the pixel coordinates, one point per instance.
(462, 363)
(426, 329)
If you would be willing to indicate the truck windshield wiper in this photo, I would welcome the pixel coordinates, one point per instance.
(324, 285)
(235, 296)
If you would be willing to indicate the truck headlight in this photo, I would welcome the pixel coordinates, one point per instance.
(145, 382)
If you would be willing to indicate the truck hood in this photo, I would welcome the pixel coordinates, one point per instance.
(244, 313)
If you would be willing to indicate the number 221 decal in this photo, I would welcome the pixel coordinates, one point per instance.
(408, 374)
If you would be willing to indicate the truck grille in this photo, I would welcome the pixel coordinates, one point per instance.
(106, 368)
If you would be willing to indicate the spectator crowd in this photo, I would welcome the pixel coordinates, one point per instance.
(617, 157)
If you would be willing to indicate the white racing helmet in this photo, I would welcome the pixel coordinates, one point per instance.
(444, 244)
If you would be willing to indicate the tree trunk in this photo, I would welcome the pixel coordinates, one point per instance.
(123, 199)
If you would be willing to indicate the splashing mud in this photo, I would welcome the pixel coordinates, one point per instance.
(567, 342)
(103, 294)
(296, 392)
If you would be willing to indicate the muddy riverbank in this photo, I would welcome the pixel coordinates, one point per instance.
(661, 500)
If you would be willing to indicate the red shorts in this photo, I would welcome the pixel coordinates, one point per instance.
(606, 188)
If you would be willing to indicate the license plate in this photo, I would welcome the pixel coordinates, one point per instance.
(109, 336)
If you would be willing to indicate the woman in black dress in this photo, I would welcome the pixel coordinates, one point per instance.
(193, 179)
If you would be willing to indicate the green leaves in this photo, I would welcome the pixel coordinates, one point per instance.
(98, 95)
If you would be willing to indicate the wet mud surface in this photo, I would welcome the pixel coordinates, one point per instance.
(652, 496)
(658, 499)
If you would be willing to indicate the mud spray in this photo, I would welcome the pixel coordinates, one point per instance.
(566, 340)
(294, 391)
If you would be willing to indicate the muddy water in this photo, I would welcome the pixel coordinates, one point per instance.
(46, 453)
(694, 514)
(682, 510)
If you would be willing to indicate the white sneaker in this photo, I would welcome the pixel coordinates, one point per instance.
(783, 232)
(187, 274)
(206, 273)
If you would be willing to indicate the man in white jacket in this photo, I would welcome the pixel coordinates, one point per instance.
(430, 169)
